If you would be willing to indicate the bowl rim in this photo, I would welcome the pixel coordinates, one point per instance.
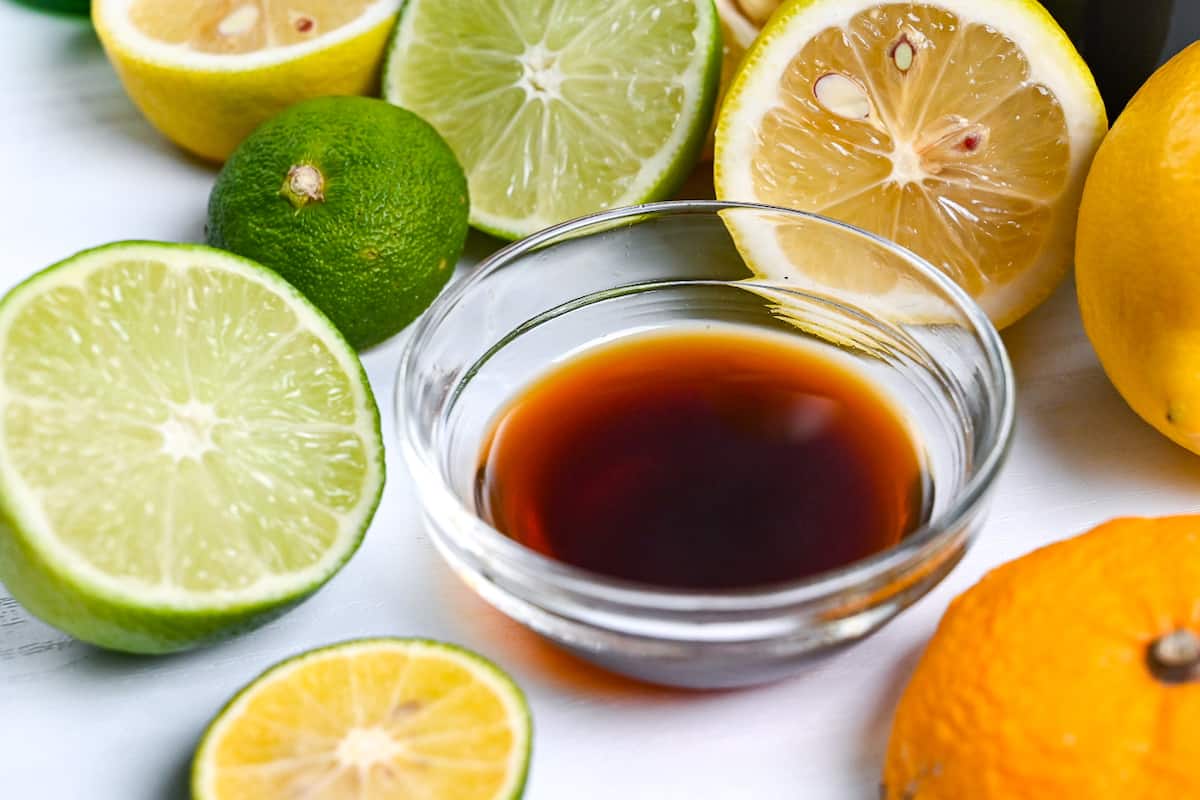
(629, 594)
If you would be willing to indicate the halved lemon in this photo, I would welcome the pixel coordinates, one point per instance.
(375, 718)
(960, 129)
(206, 73)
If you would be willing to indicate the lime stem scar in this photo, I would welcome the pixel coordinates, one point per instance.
(304, 184)
(1175, 658)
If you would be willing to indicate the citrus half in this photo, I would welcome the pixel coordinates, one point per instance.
(561, 110)
(207, 73)
(187, 446)
(960, 129)
(377, 718)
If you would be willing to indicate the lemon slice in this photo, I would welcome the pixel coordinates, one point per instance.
(207, 74)
(376, 718)
(960, 129)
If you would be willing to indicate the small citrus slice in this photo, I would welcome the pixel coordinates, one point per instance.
(187, 447)
(375, 718)
(560, 109)
(959, 129)
(206, 75)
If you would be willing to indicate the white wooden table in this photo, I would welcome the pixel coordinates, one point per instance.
(79, 167)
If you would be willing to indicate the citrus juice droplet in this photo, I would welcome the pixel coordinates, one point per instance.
(703, 459)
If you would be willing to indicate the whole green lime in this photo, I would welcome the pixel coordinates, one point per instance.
(357, 203)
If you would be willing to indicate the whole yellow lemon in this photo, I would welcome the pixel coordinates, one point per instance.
(1138, 251)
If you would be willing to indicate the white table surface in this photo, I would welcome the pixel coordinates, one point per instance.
(79, 167)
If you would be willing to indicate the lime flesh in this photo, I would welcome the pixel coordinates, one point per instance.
(187, 446)
(563, 108)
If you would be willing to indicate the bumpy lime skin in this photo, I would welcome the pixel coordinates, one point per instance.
(46, 590)
(382, 240)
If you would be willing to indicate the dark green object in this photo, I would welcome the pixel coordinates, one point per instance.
(60, 6)
(358, 203)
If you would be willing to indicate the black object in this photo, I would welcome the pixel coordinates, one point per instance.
(1125, 41)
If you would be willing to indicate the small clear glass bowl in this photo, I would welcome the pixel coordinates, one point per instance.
(648, 268)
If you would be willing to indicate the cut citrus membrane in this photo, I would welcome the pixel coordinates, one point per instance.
(207, 75)
(757, 12)
(960, 129)
(563, 108)
(187, 446)
(737, 34)
(375, 718)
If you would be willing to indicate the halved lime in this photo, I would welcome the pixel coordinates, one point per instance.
(187, 447)
(560, 109)
(375, 718)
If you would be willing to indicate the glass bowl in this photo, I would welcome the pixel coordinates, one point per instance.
(631, 271)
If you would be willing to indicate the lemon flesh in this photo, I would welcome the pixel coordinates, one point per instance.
(560, 109)
(959, 129)
(208, 75)
(377, 718)
(245, 26)
(188, 447)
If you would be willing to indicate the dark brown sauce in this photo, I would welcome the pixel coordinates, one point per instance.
(702, 460)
